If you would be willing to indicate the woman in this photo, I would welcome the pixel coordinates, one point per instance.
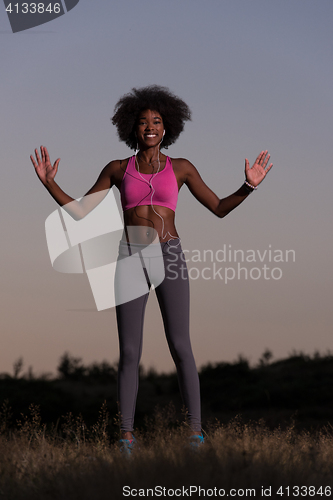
(149, 182)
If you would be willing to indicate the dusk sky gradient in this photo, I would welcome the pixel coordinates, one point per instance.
(257, 75)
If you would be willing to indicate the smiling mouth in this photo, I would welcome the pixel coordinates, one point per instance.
(150, 135)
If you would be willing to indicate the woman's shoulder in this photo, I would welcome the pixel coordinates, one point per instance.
(181, 163)
(114, 164)
(115, 169)
(119, 165)
(182, 169)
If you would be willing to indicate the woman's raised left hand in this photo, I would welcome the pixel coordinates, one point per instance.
(256, 174)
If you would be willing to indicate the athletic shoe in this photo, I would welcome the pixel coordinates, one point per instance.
(127, 445)
(196, 440)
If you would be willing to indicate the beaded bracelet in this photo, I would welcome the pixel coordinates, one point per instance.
(249, 187)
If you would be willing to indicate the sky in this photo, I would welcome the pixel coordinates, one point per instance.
(257, 75)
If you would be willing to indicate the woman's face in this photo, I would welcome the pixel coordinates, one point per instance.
(149, 129)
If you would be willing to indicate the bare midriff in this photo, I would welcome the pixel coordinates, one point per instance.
(145, 217)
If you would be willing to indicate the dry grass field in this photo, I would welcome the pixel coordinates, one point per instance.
(237, 460)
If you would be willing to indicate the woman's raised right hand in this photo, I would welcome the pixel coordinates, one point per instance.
(45, 171)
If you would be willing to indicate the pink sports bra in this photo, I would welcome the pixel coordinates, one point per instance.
(160, 189)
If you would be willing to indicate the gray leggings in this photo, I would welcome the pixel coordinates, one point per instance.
(173, 299)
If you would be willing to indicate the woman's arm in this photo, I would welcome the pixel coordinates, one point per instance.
(221, 207)
(77, 209)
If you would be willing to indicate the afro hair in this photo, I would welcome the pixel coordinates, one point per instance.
(173, 110)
